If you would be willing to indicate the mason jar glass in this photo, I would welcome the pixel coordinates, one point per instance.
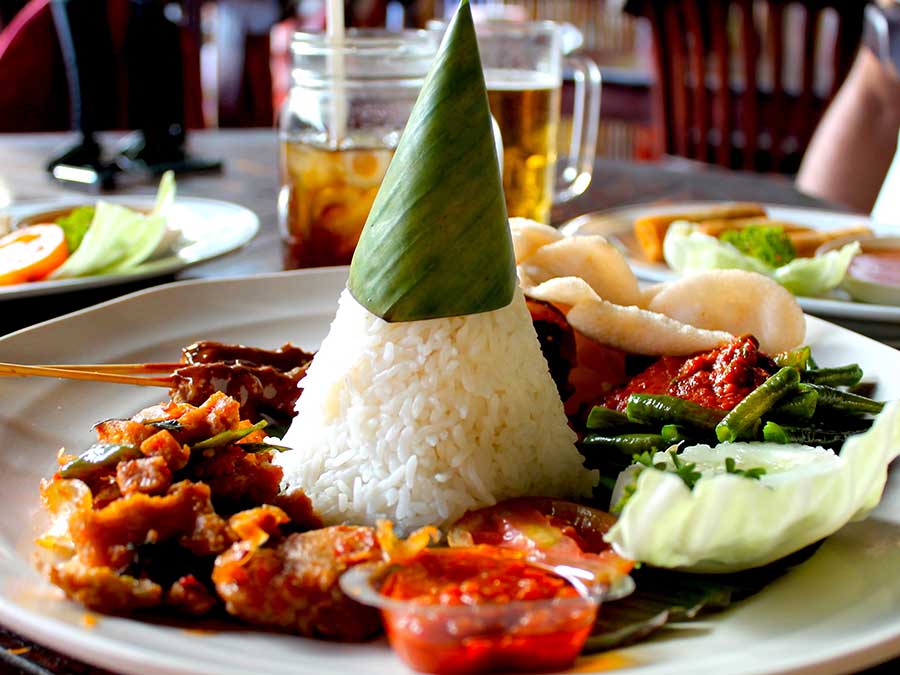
(338, 130)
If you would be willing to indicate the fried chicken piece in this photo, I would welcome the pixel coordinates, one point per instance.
(189, 596)
(299, 508)
(109, 536)
(123, 432)
(163, 444)
(217, 414)
(148, 475)
(238, 477)
(104, 590)
(294, 584)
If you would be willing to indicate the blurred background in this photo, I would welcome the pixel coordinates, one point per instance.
(739, 83)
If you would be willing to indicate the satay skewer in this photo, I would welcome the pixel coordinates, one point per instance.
(117, 368)
(18, 370)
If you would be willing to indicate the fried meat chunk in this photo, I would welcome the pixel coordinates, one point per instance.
(103, 589)
(293, 585)
(110, 536)
(148, 475)
(190, 596)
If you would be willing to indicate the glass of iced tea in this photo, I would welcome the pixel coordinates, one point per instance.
(338, 129)
(523, 69)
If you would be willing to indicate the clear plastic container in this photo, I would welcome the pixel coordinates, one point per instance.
(515, 636)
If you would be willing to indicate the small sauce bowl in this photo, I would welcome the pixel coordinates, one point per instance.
(515, 636)
(874, 274)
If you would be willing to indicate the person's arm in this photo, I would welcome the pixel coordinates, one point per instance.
(855, 142)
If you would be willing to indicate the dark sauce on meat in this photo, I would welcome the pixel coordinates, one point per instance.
(263, 382)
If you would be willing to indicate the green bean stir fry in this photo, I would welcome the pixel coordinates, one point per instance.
(799, 403)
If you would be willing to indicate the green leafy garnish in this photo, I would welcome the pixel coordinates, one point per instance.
(228, 437)
(75, 225)
(769, 244)
(686, 471)
(262, 447)
(755, 473)
(97, 459)
(168, 425)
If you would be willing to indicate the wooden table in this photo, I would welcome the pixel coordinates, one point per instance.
(250, 178)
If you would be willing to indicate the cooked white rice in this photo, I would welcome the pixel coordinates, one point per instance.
(418, 422)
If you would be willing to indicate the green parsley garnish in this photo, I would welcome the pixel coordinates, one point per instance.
(686, 471)
(755, 473)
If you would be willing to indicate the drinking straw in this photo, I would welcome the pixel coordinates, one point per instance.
(334, 13)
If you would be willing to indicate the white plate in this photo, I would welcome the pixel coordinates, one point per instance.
(835, 613)
(207, 228)
(617, 226)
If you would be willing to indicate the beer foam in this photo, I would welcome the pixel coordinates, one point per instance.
(503, 79)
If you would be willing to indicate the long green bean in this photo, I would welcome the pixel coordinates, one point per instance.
(747, 413)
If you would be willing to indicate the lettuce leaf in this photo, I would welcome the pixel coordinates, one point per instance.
(75, 225)
(815, 276)
(729, 523)
(688, 250)
(120, 238)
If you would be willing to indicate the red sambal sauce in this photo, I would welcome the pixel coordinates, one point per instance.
(720, 378)
(460, 577)
(520, 637)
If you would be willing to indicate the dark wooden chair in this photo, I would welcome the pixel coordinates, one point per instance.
(743, 83)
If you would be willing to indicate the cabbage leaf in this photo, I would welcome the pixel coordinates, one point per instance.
(120, 238)
(729, 522)
(814, 276)
(688, 250)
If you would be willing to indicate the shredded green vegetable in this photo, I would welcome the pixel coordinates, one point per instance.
(769, 244)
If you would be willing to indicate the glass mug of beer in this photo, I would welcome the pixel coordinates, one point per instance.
(523, 69)
(338, 130)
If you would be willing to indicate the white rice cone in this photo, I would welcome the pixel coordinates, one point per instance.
(419, 422)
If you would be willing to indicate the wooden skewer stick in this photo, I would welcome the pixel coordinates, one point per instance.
(118, 368)
(15, 370)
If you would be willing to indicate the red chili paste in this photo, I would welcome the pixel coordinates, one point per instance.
(496, 635)
(720, 378)
(462, 577)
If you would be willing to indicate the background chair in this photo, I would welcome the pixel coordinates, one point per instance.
(33, 90)
(743, 83)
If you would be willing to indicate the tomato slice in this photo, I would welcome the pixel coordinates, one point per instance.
(549, 529)
(31, 253)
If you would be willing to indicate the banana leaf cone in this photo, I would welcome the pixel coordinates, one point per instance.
(437, 242)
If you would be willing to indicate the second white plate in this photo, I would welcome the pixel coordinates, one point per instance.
(617, 225)
(206, 228)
